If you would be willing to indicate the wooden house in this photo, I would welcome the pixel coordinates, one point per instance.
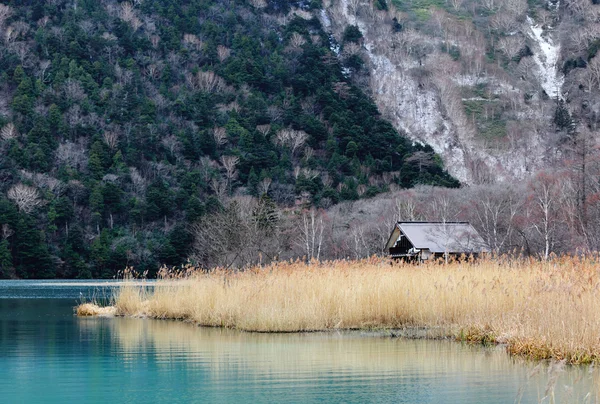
(428, 240)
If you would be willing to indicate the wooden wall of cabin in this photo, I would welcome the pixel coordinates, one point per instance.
(401, 247)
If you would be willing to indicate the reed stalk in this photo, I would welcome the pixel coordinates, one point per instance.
(539, 309)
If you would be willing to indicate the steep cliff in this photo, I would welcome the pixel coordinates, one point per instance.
(494, 87)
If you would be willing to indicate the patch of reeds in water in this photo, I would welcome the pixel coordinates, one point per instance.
(92, 309)
(540, 310)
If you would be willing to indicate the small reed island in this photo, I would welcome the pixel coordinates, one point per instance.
(538, 309)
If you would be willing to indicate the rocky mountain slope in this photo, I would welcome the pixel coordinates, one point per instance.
(496, 87)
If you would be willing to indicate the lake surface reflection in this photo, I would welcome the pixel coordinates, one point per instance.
(49, 355)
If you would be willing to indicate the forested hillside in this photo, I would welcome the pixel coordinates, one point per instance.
(124, 123)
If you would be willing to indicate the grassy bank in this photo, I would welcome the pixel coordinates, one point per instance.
(539, 309)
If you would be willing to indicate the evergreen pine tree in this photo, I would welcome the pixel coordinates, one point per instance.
(6, 266)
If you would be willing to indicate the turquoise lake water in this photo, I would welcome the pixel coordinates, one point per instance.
(47, 355)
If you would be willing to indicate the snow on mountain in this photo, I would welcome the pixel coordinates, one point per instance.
(546, 54)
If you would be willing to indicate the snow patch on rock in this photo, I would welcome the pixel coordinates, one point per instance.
(325, 19)
(546, 57)
(468, 80)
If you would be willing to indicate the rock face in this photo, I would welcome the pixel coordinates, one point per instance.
(483, 94)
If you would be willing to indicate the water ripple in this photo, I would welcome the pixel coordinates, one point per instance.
(48, 355)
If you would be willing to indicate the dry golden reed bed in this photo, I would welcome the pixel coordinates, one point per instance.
(538, 309)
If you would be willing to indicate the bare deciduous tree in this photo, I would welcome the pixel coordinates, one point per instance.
(153, 71)
(545, 209)
(421, 159)
(137, 181)
(443, 206)
(41, 71)
(245, 233)
(73, 90)
(264, 129)
(275, 113)
(581, 36)
(229, 164)
(351, 49)
(495, 210)
(154, 40)
(515, 7)
(589, 80)
(292, 138)
(457, 4)
(136, 23)
(309, 174)
(208, 82)
(311, 233)
(297, 40)
(342, 89)
(207, 168)
(353, 6)
(111, 139)
(219, 188)
(220, 136)
(126, 13)
(8, 132)
(503, 22)
(223, 52)
(405, 208)
(26, 198)
(511, 46)
(259, 3)
(172, 144)
(6, 231)
(594, 70)
(193, 41)
(491, 5)
(579, 8)
(527, 66)
(309, 152)
(263, 185)
(5, 13)
(72, 155)
(124, 76)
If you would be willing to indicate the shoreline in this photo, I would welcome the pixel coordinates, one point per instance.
(537, 310)
(416, 332)
(412, 333)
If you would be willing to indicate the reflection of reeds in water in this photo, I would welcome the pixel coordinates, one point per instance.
(302, 352)
(540, 309)
(314, 355)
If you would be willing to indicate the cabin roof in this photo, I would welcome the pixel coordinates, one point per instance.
(440, 237)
